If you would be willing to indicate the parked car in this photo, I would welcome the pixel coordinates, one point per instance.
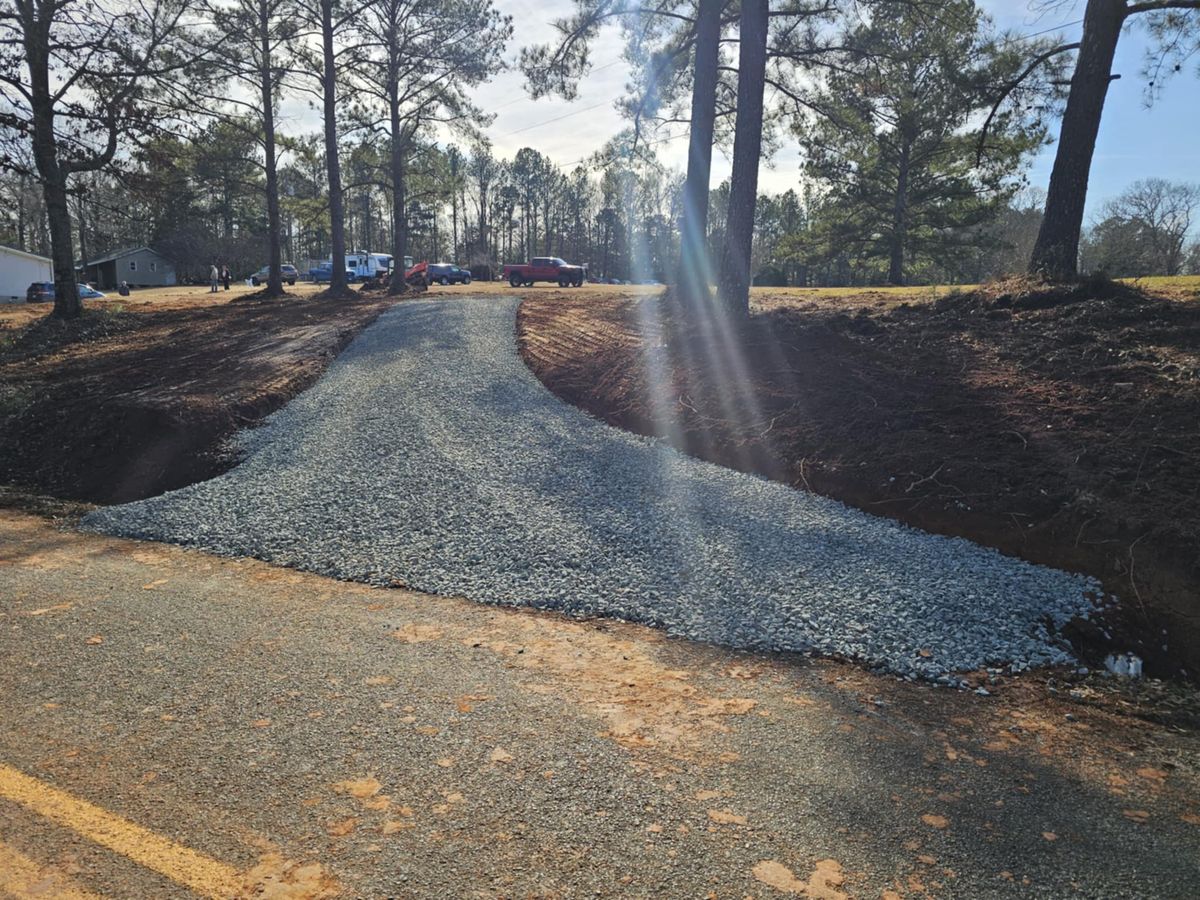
(40, 292)
(447, 273)
(324, 272)
(43, 292)
(288, 272)
(545, 268)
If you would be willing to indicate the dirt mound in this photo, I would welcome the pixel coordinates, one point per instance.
(49, 334)
(120, 406)
(1027, 292)
(379, 287)
(1056, 424)
(330, 293)
(264, 296)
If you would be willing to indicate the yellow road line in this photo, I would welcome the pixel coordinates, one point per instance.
(182, 865)
(20, 876)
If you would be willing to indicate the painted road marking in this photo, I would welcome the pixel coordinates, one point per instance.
(181, 864)
(20, 876)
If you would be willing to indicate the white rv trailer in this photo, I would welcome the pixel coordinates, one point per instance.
(366, 265)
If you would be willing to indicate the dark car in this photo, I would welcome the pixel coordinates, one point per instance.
(447, 273)
(288, 273)
(40, 292)
(324, 272)
(43, 292)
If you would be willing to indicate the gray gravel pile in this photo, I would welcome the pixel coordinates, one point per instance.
(429, 455)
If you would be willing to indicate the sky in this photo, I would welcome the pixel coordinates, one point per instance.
(1135, 141)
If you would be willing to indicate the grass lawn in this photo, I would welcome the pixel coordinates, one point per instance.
(1182, 283)
(196, 296)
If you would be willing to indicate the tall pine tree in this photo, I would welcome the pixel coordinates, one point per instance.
(896, 133)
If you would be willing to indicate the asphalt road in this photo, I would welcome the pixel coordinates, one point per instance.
(175, 724)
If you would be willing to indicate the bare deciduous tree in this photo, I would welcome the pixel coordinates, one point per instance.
(1144, 230)
(76, 77)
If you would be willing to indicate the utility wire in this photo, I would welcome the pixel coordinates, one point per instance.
(522, 98)
(1010, 40)
(558, 118)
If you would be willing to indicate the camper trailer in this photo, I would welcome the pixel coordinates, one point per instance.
(365, 265)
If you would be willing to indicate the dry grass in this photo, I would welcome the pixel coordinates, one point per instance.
(16, 315)
(195, 296)
(1183, 284)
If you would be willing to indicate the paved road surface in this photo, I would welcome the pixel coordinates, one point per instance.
(175, 724)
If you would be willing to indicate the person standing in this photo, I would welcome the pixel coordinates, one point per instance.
(225, 276)
(213, 277)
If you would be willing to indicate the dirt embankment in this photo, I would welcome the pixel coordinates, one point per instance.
(126, 404)
(1059, 427)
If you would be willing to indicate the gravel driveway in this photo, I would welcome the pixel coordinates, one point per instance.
(430, 456)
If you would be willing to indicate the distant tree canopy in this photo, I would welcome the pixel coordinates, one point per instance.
(1144, 231)
(895, 133)
(915, 119)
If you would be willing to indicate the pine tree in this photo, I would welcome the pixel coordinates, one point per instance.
(897, 135)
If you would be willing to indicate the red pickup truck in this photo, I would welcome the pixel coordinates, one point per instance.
(545, 268)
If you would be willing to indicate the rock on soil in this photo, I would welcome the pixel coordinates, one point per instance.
(428, 455)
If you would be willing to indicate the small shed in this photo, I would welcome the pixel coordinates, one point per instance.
(140, 266)
(19, 269)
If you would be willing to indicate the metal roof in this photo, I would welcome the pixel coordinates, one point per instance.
(126, 252)
(25, 253)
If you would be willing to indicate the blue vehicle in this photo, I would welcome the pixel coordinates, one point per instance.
(43, 292)
(324, 273)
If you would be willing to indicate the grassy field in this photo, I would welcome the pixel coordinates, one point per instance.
(1167, 282)
(193, 296)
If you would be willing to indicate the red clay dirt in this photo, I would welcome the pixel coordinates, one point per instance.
(1057, 426)
(122, 405)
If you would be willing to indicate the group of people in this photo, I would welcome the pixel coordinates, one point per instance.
(218, 276)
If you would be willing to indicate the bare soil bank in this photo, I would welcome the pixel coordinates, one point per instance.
(129, 402)
(1060, 426)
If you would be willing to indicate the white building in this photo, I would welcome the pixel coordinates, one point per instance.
(18, 270)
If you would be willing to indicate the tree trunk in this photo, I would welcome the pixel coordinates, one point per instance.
(368, 236)
(337, 223)
(67, 304)
(1056, 253)
(226, 205)
(747, 151)
(899, 218)
(21, 242)
(83, 241)
(274, 251)
(695, 267)
(53, 176)
(466, 226)
(399, 213)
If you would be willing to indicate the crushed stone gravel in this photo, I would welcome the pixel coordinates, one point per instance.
(430, 456)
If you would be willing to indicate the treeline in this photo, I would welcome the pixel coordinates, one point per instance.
(201, 201)
(159, 123)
